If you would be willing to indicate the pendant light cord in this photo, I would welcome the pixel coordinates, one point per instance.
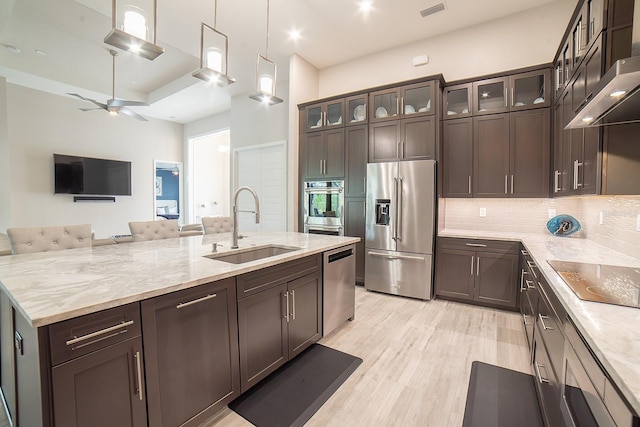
(266, 53)
(215, 13)
(113, 74)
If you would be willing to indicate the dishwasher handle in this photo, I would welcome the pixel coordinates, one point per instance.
(339, 255)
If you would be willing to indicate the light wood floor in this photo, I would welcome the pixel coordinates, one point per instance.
(416, 361)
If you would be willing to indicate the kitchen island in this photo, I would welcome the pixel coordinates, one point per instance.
(166, 294)
(611, 331)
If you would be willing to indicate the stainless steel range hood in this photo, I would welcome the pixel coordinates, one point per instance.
(616, 98)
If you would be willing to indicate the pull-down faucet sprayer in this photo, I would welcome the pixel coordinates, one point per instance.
(234, 242)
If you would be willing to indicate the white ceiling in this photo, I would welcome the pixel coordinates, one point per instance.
(332, 31)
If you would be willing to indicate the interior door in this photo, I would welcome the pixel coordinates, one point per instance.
(416, 204)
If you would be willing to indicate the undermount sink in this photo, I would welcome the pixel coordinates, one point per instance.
(241, 256)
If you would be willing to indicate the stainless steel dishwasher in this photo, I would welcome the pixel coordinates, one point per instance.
(339, 290)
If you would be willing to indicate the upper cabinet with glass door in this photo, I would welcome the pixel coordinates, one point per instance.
(457, 101)
(356, 110)
(521, 91)
(324, 115)
(405, 101)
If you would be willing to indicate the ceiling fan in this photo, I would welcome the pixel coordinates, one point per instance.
(114, 106)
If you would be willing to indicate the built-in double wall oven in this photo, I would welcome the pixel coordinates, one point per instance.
(324, 207)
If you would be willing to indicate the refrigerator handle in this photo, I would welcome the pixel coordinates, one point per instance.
(395, 204)
(399, 215)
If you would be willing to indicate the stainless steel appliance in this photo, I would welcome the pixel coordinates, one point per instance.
(601, 283)
(323, 207)
(339, 290)
(589, 399)
(400, 220)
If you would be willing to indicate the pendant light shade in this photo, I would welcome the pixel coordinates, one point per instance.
(266, 76)
(214, 54)
(133, 27)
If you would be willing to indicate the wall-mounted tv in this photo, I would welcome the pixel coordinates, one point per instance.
(86, 175)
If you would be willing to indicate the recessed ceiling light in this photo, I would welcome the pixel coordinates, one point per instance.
(41, 52)
(133, 82)
(172, 117)
(366, 5)
(294, 34)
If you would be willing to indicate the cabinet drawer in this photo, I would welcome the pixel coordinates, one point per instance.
(82, 335)
(479, 245)
(547, 384)
(550, 331)
(256, 281)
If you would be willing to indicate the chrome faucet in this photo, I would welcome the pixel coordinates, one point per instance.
(234, 242)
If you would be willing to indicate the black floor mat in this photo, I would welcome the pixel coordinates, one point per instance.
(293, 393)
(500, 397)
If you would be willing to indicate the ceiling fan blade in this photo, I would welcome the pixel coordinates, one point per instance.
(93, 101)
(133, 114)
(125, 103)
(89, 109)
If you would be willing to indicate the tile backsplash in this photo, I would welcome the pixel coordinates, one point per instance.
(617, 231)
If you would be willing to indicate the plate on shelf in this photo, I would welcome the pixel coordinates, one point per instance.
(337, 122)
(381, 112)
(409, 109)
(359, 113)
(422, 110)
(451, 113)
(518, 104)
(538, 100)
(466, 110)
(319, 123)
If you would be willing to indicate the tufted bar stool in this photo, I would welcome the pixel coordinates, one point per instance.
(26, 240)
(154, 230)
(217, 224)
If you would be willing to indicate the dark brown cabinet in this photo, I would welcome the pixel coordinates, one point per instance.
(279, 317)
(98, 370)
(411, 100)
(457, 157)
(511, 154)
(516, 92)
(406, 139)
(528, 295)
(323, 154)
(354, 213)
(324, 115)
(356, 161)
(457, 101)
(478, 271)
(191, 346)
(356, 110)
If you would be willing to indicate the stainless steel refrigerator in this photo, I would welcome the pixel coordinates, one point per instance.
(400, 222)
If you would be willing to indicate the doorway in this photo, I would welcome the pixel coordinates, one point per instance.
(209, 176)
(167, 202)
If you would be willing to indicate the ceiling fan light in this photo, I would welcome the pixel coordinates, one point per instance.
(132, 30)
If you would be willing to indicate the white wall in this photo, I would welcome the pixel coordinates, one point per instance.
(520, 40)
(40, 124)
(5, 164)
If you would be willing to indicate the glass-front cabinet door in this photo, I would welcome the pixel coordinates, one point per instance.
(417, 99)
(356, 110)
(457, 101)
(529, 90)
(324, 115)
(384, 105)
(490, 96)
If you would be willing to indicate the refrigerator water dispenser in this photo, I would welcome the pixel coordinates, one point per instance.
(383, 210)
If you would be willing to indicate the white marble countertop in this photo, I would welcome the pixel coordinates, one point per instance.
(612, 332)
(48, 287)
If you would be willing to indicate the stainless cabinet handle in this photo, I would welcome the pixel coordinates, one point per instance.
(139, 386)
(477, 266)
(532, 265)
(592, 27)
(544, 326)
(529, 284)
(397, 106)
(537, 367)
(556, 181)
(195, 301)
(324, 118)
(286, 310)
(364, 183)
(576, 164)
(293, 305)
(523, 288)
(476, 245)
(402, 105)
(512, 97)
(394, 235)
(469, 184)
(76, 340)
(506, 98)
(511, 184)
(472, 257)
(525, 317)
(523, 252)
(506, 182)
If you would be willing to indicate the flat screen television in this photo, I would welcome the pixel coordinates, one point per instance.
(86, 175)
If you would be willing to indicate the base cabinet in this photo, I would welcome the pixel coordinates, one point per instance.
(478, 271)
(276, 324)
(191, 346)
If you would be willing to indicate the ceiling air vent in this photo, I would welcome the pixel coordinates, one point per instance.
(431, 10)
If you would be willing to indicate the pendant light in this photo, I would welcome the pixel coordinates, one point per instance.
(266, 76)
(214, 54)
(132, 31)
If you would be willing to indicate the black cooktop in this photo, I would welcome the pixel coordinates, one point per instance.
(610, 284)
